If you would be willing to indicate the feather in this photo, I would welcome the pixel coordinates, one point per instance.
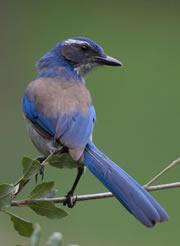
(63, 110)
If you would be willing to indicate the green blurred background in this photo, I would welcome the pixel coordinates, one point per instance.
(138, 109)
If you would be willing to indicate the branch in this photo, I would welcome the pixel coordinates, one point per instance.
(166, 169)
(91, 196)
(96, 196)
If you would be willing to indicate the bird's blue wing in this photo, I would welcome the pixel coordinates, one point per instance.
(36, 117)
(73, 129)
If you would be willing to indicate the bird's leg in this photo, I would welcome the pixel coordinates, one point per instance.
(70, 200)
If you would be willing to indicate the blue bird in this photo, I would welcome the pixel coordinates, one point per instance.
(60, 116)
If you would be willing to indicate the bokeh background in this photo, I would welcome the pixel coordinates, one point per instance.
(138, 109)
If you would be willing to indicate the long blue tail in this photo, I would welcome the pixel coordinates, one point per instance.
(131, 194)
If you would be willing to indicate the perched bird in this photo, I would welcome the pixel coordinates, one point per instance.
(60, 116)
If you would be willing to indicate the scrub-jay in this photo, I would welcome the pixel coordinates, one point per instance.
(60, 116)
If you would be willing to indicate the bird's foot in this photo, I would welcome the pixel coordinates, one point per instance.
(41, 169)
(70, 200)
(40, 173)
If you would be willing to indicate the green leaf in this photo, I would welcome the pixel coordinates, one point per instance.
(35, 238)
(41, 190)
(22, 226)
(62, 160)
(30, 167)
(48, 209)
(6, 194)
(55, 239)
(26, 163)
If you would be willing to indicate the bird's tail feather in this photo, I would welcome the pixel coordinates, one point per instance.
(131, 194)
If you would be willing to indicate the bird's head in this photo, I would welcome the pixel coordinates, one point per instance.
(81, 53)
(84, 54)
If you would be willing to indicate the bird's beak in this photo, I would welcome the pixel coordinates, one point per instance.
(108, 60)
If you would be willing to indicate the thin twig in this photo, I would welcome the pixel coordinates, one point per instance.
(88, 197)
(167, 168)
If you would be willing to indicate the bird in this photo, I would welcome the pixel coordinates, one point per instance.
(60, 116)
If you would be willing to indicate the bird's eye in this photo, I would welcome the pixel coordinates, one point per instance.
(84, 47)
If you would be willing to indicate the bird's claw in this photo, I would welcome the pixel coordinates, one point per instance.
(70, 200)
(41, 173)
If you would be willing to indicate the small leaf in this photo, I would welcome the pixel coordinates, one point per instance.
(62, 160)
(26, 163)
(22, 226)
(30, 167)
(55, 239)
(41, 190)
(6, 194)
(35, 238)
(48, 209)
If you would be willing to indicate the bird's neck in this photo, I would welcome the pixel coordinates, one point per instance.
(49, 67)
(61, 73)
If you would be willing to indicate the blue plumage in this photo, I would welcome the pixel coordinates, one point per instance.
(59, 112)
(73, 129)
(124, 187)
(30, 111)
